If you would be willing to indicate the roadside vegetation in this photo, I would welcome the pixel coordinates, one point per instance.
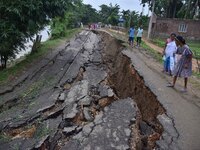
(10, 73)
(194, 45)
(152, 52)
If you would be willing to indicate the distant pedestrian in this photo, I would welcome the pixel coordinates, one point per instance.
(81, 25)
(139, 36)
(131, 36)
(169, 54)
(183, 67)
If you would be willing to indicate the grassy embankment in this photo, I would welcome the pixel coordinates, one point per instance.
(9, 73)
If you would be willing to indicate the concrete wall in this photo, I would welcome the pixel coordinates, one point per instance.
(165, 26)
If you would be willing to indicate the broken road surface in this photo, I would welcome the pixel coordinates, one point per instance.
(93, 93)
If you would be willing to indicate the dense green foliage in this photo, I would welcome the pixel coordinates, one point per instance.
(76, 13)
(10, 73)
(187, 9)
(21, 19)
(109, 14)
(134, 19)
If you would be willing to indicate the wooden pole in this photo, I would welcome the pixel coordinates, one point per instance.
(151, 19)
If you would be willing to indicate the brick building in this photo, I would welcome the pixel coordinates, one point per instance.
(190, 29)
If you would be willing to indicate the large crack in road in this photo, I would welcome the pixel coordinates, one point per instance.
(86, 95)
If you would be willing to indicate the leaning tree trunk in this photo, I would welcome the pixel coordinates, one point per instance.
(36, 44)
(4, 60)
(174, 8)
(187, 13)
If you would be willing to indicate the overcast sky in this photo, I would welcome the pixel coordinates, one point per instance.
(124, 4)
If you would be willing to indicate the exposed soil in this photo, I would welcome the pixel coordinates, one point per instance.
(126, 82)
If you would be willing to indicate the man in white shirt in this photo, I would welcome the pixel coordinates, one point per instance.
(139, 36)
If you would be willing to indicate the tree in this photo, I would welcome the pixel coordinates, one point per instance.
(76, 13)
(189, 9)
(89, 15)
(126, 16)
(109, 14)
(175, 8)
(21, 19)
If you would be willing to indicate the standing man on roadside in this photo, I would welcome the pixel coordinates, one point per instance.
(139, 36)
(169, 52)
(131, 36)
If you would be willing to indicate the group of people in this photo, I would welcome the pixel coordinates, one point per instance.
(93, 26)
(132, 35)
(177, 58)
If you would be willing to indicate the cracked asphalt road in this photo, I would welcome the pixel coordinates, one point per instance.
(93, 93)
(65, 99)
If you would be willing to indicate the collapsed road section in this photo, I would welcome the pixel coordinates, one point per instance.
(85, 95)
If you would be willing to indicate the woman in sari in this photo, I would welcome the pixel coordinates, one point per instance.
(183, 67)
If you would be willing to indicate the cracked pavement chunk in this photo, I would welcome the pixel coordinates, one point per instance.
(62, 97)
(170, 135)
(87, 114)
(77, 92)
(105, 91)
(95, 75)
(110, 134)
(69, 130)
(70, 111)
(85, 101)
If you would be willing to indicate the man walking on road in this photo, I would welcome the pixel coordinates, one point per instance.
(139, 36)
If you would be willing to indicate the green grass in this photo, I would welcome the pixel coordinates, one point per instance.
(4, 138)
(34, 89)
(159, 42)
(10, 73)
(194, 45)
(152, 52)
(42, 130)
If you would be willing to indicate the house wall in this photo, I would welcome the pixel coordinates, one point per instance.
(165, 26)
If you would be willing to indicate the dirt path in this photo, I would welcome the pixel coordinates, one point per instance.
(153, 46)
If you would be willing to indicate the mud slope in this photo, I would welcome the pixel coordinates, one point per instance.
(86, 95)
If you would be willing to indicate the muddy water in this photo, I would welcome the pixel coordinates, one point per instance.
(85, 95)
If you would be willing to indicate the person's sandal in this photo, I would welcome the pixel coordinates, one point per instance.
(170, 85)
(183, 90)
